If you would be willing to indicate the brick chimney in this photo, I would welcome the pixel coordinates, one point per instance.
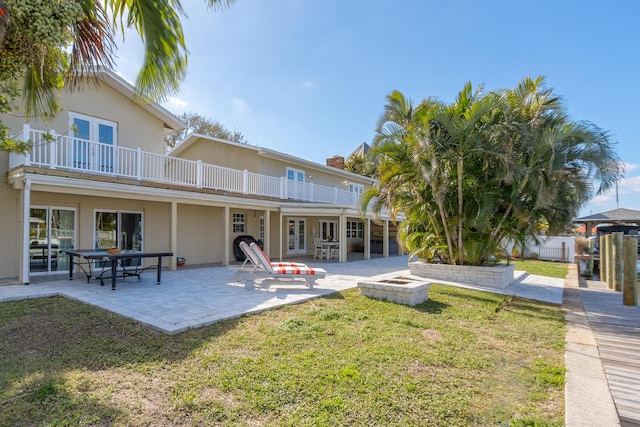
(336, 162)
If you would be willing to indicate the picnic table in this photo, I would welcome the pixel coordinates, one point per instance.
(112, 263)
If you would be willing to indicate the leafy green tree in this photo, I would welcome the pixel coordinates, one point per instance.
(50, 44)
(486, 167)
(202, 125)
(360, 164)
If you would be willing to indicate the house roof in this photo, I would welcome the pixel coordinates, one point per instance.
(613, 216)
(269, 153)
(362, 150)
(171, 123)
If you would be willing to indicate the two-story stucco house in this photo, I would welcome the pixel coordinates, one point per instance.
(97, 176)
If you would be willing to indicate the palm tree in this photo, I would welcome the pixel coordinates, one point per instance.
(89, 30)
(485, 168)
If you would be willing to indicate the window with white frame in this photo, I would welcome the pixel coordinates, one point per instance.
(93, 128)
(87, 131)
(329, 230)
(355, 229)
(295, 175)
(356, 188)
(261, 229)
(238, 223)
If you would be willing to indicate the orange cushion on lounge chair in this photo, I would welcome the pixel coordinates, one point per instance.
(293, 269)
(282, 270)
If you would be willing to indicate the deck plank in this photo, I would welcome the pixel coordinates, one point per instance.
(617, 331)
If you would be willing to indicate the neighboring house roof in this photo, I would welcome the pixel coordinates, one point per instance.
(362, 150)
(616, 215)
(273, 154)
(119, 84)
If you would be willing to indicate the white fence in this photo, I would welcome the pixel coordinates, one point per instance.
(550, 248)
(75, 154)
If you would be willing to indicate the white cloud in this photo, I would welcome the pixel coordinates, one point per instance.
(630, 184)
(176, 103)
(628, 167)
(239, 106)
(606, 199)
(308, 85)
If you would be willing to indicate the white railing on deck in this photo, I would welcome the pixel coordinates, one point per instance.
(75, 154)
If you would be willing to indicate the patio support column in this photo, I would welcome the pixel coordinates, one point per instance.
(225, 255)
(280, 238)
(23, 274)
(174, 236)
(367, 238)
(343, 238)
(385, 239)
(267, 233)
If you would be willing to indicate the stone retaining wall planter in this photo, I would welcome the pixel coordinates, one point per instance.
(498, 277)
(401, 291)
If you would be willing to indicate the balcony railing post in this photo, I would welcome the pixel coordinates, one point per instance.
(283, 187)
(53, 152)
(138, 173)
(26, 133)
(245, 181)
(199, 174)
(311, 192)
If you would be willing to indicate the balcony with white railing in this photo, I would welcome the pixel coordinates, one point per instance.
(52, 151)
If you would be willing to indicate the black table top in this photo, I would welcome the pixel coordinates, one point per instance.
(98, 254)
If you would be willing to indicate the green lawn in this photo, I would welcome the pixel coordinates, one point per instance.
(462, 358)
(543, 268)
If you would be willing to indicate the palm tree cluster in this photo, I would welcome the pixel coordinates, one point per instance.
(50, 44)
(487, 168)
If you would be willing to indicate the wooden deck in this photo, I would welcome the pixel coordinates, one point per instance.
(617, 331)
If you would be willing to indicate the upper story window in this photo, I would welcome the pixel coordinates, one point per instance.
(356, 188)
(295, 175)
(93, 149)
(94, 129)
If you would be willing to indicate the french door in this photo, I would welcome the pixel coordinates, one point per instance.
(86, 154)
(51, 230)
(296, 184)
(296, 232)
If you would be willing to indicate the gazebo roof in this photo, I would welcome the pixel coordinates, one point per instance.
(614, 216)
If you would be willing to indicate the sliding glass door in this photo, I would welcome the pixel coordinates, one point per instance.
(51, 230)
(120, 229)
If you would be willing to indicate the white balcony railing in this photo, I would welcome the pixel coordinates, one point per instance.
(75, 154)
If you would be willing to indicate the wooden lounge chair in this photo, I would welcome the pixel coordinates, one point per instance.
(262, 267)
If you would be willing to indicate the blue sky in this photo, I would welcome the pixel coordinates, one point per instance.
(310, 77)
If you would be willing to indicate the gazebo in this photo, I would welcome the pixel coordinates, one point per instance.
(616, 216)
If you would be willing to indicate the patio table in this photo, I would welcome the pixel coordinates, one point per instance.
(116, 259)
(329, 246)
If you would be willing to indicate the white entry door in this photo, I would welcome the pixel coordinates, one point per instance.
(296, 232)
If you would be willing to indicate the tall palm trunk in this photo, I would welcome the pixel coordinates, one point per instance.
(460, 212)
